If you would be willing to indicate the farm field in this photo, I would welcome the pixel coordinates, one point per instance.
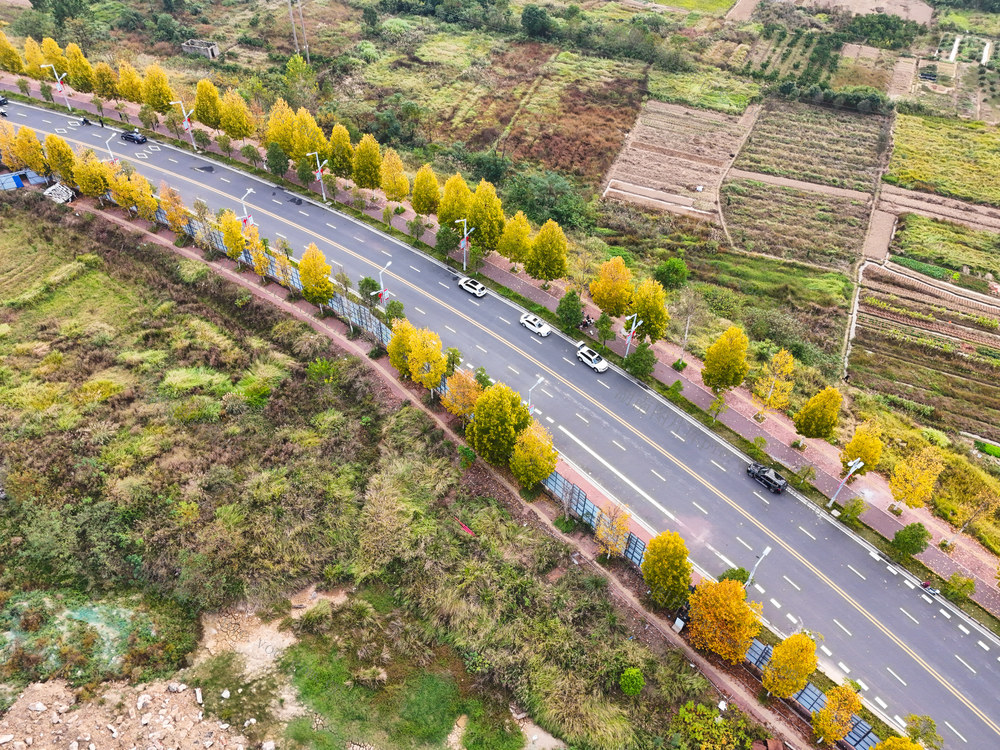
(861, 65)
(707, 88)
(971, 21)
(817, 144)
(952, 248)
(957, 159)
(807, 56)
(823, 230)
(670, 151)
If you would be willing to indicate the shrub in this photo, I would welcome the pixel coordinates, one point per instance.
(735, 574)
(631, 681)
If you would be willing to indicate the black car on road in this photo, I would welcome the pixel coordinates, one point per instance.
(133, 136)
(768, 477)
(3, 100)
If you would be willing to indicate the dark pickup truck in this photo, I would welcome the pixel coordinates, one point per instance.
(768, 477)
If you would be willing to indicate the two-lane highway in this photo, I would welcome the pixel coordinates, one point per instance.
(910, 652)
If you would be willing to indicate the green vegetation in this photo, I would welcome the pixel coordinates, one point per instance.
(817, 144)
(707, 88)
(947, 245)
(948, 157)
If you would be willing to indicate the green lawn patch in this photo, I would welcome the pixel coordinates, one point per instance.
(947, 245)
(706, 88)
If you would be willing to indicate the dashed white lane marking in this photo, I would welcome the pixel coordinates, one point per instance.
(791, 617)
(729, 563)
(419, 310)
(440, 283)
(892, 570)
(539, 342)
(330, 225)
(909, 585)
(658, 475)
(47, 121)
(899, 720)
(718, 465)
(956, 732)
(744, 544)
(305, 214)
(480, 349)
(224, 179)
(477, 304)
(964, 662)
(983, 646)
(566, 360)
(837, 623)
(766, 501)
(279, 234)
(807, 533)
(909, 615)
(618, 444)
(21, 114)
(873, 555)
(513, 370)
(677, 436)
(639, 408)
(359, 239)
(601, 382)
(794, 585)
(945, 612)
(451, 329)
(760, 589)
(889, 670)
(173, 160)
(963, 628)
(862, 684)
(844, 667)
(504, 320)
(776, 603)
(275, 201)
(881, 702)
(585, 420)
(546, 393)
(854, 570)
(550, 420)
(699, 507)
(384, 252)
(826, 651)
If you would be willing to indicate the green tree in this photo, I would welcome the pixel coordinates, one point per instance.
(395, 183)
(148, 117)
(250, 153)
(722, 621)
(234, 115)
(486, 215)
(515, 241)
(726, 361)
(649, 302)
(536, 21)
(534, 458)
(832, 723)
(791, 664)
(341, 152)
(547, 259)
(305, 170)
(156, 90)
(631, 682)
(818, 418)
(276, 159)
(667, 570)
(314, 273)
(201, 138)
(207, 104)
(300, 81)
(612, 289)
(426, 191)
(671, 273)
(570, 309)
(605, 328)
(958, 588)
(455, 202)
(499, 418)
(393, 311)
(225, 144)
(368, 288)
(367, 163)
(911, 539)
(921, 729)
(641, 361)
(866, 444)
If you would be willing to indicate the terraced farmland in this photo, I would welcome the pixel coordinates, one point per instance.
(951, 250)
(824, 230)
(817, 144)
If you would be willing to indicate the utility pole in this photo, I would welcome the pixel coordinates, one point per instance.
(853, 466)
(630, 334)
(187, 123)
(528, 403)
(760, 559)
(305, 43)
(291, 17)
(59, 85)
(464, 243)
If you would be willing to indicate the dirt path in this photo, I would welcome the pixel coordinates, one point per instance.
(899, 200)
(742, 10)
(880, 231)
(812, 187)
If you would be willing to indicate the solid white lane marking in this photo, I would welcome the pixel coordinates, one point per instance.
(807, 533)
(274, 201)
(718, 464)
(826, 651)
(618, 444)
(844, 667)
(873, 555)
(658, 475)
(480, 349)
(504, 320)
(744, 544)
(513, 370)
(963, 628)
(451, 329)
(766, 501)
(791, 617)
(585, 420)
(546, 393)
(639, 408)
(956, 732)
(305, 214)
(699, 507)
(889, 670)
(776, 603)
(854, 570)
(909, 585)
(881, 702)
(330, 225)
(945, 612)
(899, 720)
(224, 179)
(909, 615)
(794, 585)
(385, 252)
(965, 663)
(601, 382)
(760, 589)
(677, 436)
(837, 623)
(419, 310)
(983, 646)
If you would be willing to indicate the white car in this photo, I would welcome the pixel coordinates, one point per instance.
(536, 325)
(472, 286)
(589, 357)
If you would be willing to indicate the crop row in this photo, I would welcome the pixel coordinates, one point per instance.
(951, 246)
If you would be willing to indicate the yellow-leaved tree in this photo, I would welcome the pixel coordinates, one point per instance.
(340, 153)
(314, 275)
(105, 81)
(515, 241)
(398, 348)
(156, 91)
(232, 234)
(80, 71)
(142, 196)
(462, 393)
(774, 386)
(649, 303)
(612, 289)
(722, 620)
(122, 190)
(235, 118)
(866, 444)
(60, 158)
(611, 533)
(283, 263)
(258, 255)
(173, 206)
(486, 215)
(499, 417)
(832, 723)
(792, 661)
(914, 478)
(367, 163)
(10, 58)
(547, 257)
(454, 203)
(92, 175)
(395, 183)
(207, 104)
(667, 570)
(7, 153)
(426, 361)
(898, 743)
(34, 60)
(129, 83)
(307, 137)
(534, 457)
(281, 126)
(29, 150)
(53, 55)
(426, 191)
(818, 418)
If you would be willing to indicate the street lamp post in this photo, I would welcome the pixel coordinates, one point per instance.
(247, 218)
(464, 244)
(59, 85)
(107, 145)
(852, 466)
(753, 570)
(382, 291)
(630, 334)
(319, 171)
(187, 123)
(528, 404)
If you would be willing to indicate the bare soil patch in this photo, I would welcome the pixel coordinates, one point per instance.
(902, 77)
(913, 10)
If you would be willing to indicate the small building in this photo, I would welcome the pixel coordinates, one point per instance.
(201, 47)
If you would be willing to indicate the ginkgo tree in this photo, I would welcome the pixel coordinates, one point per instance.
(722, 621)
(818, 418)
(667, 570)
(534, 457)
(865, 444)
(314, 275)
(427, 363)
(649, 305)
(486, 215)
(60, 158)
(612, 289)
(515, 240)
(832, 722)
(773, 388)
(29, 150)
(498, 418)
(792, 661)
(914, 477)
(463, 390)
(547, 256)
(232, 234)
(426, 191)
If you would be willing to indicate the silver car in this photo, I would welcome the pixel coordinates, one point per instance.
(472, 286)
(536, 325)
(589, 357)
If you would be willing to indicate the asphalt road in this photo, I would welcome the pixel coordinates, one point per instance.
(911, 653)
